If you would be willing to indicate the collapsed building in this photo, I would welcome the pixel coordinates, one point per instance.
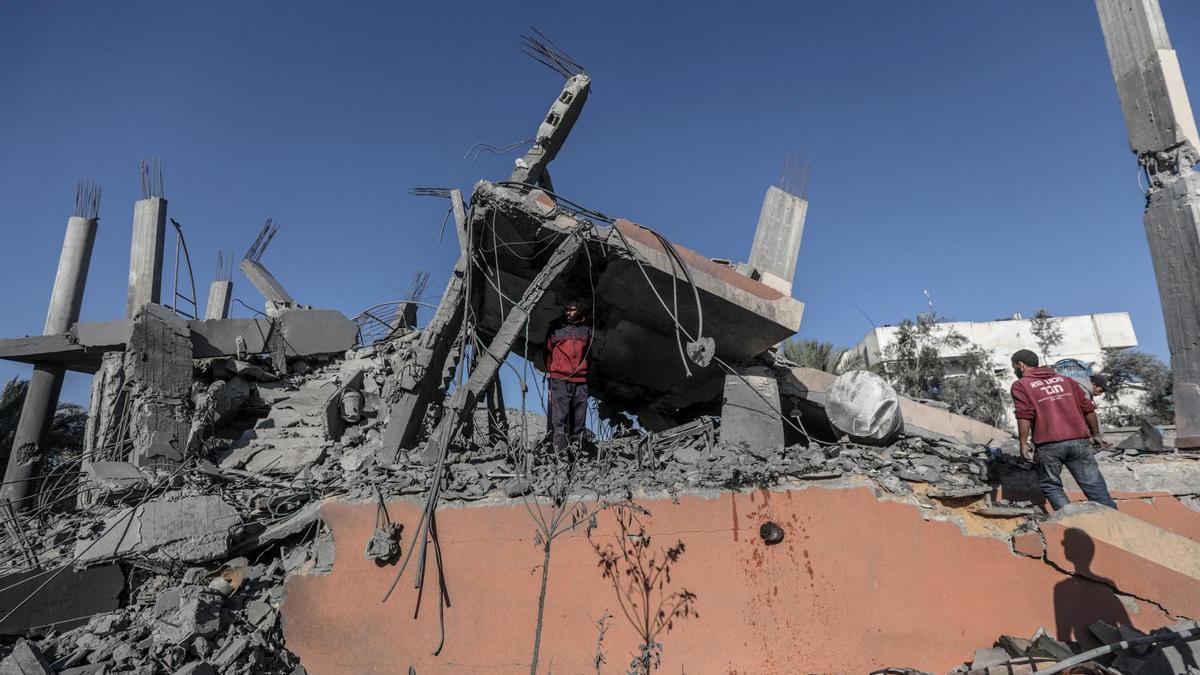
(303, 491)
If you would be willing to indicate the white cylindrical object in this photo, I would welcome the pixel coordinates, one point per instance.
(864, 406)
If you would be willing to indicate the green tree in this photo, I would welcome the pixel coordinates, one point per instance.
(918, 364)
(1047, 332)
(1133, 370)
(813, 354)
(66, 431)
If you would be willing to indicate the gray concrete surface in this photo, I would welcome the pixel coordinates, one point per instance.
(220, 294)
(1162, 133)
(777, 238)
(146, 253)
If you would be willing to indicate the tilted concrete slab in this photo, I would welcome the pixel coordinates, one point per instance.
(1132, 555)
(635, 356)
(811, 385)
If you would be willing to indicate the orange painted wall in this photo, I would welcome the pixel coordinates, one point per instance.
(857, 584)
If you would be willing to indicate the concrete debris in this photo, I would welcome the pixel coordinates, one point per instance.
(1166, 655)
(25, 659)
(213, 446)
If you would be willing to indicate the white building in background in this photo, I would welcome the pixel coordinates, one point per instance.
(1084, 338)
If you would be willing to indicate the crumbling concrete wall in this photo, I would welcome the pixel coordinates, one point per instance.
(158, 368)
(857, 583)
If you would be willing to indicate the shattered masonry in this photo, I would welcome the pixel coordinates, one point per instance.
(300, 466)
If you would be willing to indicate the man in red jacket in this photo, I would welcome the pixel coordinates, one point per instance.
(1063, 421)
(567, 346)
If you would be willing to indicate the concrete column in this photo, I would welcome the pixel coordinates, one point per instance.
(33, 431)
(73, 264)
(1162, 133)
(146, 253)
(45, 385)
(777, 238)
(220, 293)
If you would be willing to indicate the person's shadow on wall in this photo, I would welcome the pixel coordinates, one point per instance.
(1085, 597)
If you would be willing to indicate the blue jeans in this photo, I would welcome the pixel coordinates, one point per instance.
(1077, 456)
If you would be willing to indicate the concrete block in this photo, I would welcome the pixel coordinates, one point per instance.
(750, 409)
(114, 477)
(220, 293)
(184, 613)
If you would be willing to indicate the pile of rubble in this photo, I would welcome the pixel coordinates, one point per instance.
(1172, 650)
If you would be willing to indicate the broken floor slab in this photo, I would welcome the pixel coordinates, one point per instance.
(193, 529)
(633, 331)
(812, 387)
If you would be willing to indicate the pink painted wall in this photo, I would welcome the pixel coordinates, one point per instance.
(857, 584)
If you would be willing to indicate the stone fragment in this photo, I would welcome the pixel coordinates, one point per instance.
(183, 613)
(25, 659)
(992, 656)
(114, 477)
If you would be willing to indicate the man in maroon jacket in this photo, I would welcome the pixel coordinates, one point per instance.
(1063, 421)
(567, 346)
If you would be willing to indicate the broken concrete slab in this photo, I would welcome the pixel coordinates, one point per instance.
(1103, 544)
(285, 455)
(66, 601)
(632, 331)
(812, 386)
(305, 332)
(194, 529)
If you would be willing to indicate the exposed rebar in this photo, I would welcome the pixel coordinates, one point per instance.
(419, 284)
(87, 200)
(543, 50)
(442, 192)
(795, 176)
(265, 235)
(152, 178)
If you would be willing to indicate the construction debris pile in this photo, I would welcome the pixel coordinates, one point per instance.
(212, 443)
(1167, 651)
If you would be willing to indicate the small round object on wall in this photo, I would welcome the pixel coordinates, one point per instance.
(771, 533)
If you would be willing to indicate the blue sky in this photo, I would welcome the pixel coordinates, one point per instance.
(973, 149)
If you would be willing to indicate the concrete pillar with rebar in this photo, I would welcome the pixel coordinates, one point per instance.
(41, 399)
(146, 249)
(1162, 133)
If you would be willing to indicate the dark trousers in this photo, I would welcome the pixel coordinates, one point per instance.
(1079, 460)
(568, 410)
